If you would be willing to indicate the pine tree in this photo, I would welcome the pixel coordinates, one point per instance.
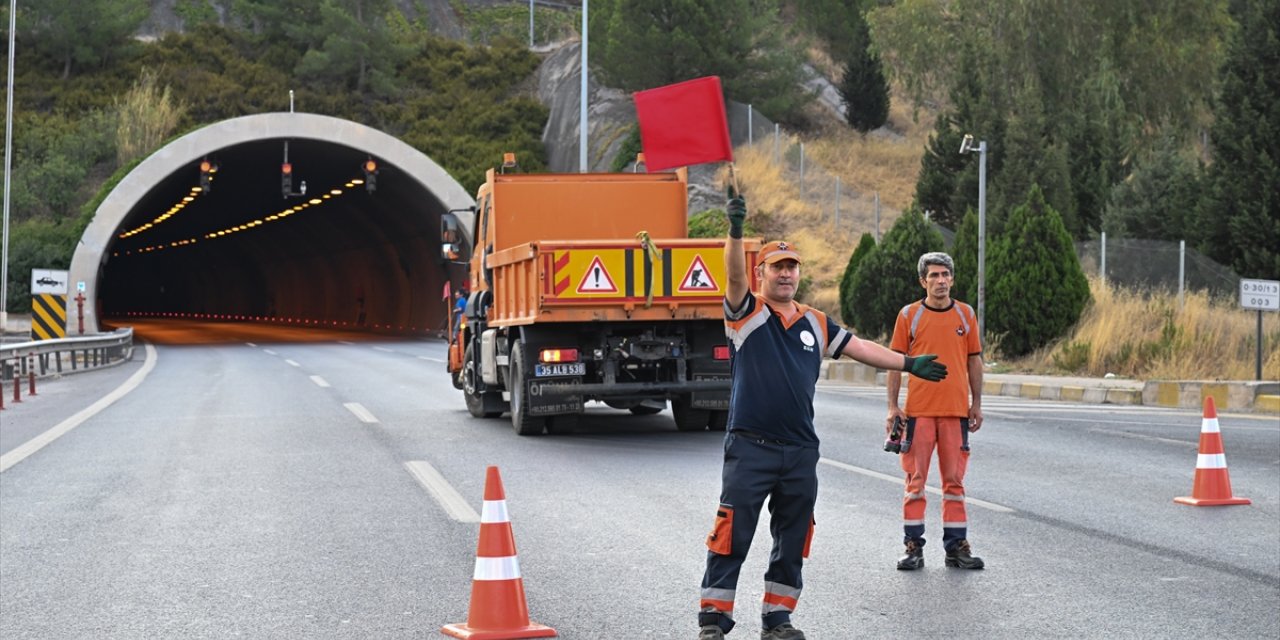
(1160, 197)
(1242, 216)
(1037, 289)
(863, 88)
(865, 245)
(964, 252)
(887, 279)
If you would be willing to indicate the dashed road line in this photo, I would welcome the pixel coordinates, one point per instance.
(384, 349)
(292, 363)
(269, 352)
(430, 359)
(898, 480)
(449, 499)
(360, 412)
(252, 345)
(320, 382)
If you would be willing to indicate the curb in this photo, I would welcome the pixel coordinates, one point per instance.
(1259, 397)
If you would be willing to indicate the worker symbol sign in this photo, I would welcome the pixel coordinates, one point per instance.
(597, 279)
(698, 277)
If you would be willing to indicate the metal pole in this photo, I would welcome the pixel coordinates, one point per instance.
(837, 202)
(877, 217)
(582, 110)
(1182, 270)
(1257, 358)
(982, 238)
(750, 137)
(290, 104)
(8, 171)
(530, 24)
(1102, 261)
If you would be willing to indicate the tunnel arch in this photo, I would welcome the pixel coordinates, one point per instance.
(397, 237)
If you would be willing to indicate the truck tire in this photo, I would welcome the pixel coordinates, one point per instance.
(524, 424)
(563, 423)
(688, 418)
(481, 404)
(718, 420)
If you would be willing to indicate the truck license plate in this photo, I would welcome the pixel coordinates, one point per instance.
(568, 369)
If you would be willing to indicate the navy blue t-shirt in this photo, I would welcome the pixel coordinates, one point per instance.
(776, 366)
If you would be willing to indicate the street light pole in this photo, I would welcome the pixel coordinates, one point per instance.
(582, 115)
(967, 147)
(8, 172)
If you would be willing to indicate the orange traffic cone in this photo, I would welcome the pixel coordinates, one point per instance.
(1213, 483)
(498, 610)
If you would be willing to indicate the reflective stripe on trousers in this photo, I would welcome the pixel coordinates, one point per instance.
(948, 437)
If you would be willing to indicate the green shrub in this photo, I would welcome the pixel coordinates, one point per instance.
(886, 279)
(1037, 288)
(712, 223)
(865, 245)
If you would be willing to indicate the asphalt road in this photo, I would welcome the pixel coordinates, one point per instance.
(260, 489)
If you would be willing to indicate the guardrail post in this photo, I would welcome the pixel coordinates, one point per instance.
(17, 386)
(31, 377)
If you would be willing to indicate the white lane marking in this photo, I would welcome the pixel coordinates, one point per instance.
(269, 352)
(440, 489)
(898, 480)
(384, 349)
(345, 342)
(20, 453)
(292, 363)
(320, 382)
(1143, 436)
(361, 412)
(252, 345)
(430, 359)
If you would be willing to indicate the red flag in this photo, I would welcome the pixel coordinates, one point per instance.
(446, 294)
(683, 124)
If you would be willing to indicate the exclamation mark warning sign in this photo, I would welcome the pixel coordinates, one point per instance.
(597, 279)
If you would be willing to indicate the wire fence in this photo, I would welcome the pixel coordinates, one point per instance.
(1156, 264)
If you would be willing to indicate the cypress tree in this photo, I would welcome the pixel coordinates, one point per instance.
(1037, 289)
(863, 88)
(886, 279)
(865, 245)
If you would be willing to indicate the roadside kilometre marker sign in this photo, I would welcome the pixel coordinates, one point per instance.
(1263, 295)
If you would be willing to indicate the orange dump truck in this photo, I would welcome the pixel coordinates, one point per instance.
(586, 287)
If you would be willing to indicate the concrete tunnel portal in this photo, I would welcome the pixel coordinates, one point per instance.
(339, 255)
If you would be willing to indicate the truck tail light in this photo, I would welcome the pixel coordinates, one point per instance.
(558, 355)
(721, 352)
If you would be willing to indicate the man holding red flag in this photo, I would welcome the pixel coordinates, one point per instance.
(771, 447)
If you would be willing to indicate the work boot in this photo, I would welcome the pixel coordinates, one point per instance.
(711, 632)
(914, 558)
(783, 631)
(959, 556)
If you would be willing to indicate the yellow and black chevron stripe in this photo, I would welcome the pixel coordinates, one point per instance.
(48, 316)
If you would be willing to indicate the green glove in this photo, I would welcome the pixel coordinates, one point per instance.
(926, 366)
(736, 210)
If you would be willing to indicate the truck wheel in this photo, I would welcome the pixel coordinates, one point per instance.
(688, 418)
(525, 424)
(563, 423)
(486, 404)
(718, 420)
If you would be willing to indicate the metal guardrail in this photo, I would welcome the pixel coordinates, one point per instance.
(66, 355)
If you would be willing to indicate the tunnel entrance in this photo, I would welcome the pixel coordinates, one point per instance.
(208, 227)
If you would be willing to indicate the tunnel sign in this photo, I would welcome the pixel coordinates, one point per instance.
(596, 279)
(48, 281)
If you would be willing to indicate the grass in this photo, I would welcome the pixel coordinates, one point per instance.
(1149, 336)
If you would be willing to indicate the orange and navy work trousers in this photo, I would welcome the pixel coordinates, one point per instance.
(755, 468)
(950, 437)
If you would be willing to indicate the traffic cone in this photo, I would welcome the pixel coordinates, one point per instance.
(498, 610)
(1213, 484)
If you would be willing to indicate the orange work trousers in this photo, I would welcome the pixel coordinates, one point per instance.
(950, 437)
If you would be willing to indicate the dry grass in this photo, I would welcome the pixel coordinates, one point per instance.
(1148, 336)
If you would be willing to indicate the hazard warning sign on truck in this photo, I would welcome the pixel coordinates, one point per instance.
(632, 274)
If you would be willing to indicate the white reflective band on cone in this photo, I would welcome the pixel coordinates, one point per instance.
(507, 568)
(1211, 461)
(1210, 425)
(494, 511)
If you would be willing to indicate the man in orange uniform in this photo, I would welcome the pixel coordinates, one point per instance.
(938, 415)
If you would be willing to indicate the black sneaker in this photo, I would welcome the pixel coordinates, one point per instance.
(914, 558)
(711, 632)
(783, 631)
(959, 556)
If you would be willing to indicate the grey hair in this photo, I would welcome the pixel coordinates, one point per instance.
(935, 258)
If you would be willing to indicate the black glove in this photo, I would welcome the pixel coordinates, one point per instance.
(926, 366)
(736, 211)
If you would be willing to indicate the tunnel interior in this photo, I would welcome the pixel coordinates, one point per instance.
(347, 253)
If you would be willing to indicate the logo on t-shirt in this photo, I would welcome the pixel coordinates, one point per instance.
(808, 340)
(960, 331)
